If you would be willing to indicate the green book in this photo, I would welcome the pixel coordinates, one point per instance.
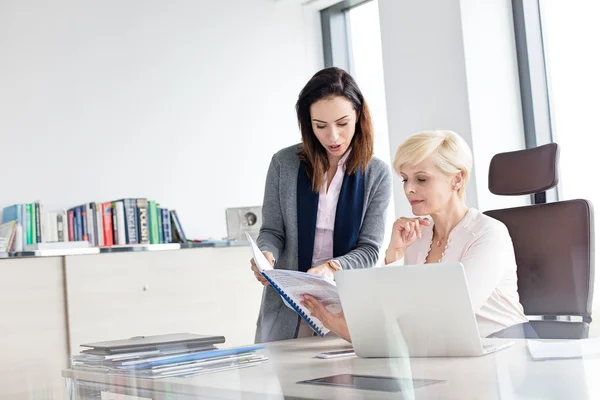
(34, 221)
(153, 222)
(160, 224)
(29, 222)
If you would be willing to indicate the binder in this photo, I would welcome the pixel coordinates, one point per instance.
(319, 329)
(313, 282)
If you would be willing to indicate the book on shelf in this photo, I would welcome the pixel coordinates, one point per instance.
(179, 235)
(107, 224)
(28, 224)
(84, 223)
(77, 224)
(130, 220)
(159, 222)
(121, 222)
(90, 210)
(71, 225)
(41, 223)
(153, 222)
(37, 230)
(7, 236)
(115, 232)
(17, 213)
(100, 228)
(142, 211)
(167, 226)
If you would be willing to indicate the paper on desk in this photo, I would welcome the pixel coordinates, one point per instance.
(563, 350)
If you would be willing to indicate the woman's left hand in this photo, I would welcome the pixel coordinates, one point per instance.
(334, 322)
(322, 270)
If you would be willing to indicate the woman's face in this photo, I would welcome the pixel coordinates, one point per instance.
(427, 188)
(333, 122)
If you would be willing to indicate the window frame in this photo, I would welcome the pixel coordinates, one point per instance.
(335, 29)
(536, 104)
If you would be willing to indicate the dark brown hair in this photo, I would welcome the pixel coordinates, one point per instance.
(328, 83)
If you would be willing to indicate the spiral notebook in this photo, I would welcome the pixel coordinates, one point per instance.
(292, 284)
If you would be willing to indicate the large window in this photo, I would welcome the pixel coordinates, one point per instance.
(559, 67)
(366, 65)
(571, 36)
(352, 41)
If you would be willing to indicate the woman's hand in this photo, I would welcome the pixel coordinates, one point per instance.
(334, 322)
(405, 232)
(322, 270)
(257, 274)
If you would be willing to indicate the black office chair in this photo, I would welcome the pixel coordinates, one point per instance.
(554, 243)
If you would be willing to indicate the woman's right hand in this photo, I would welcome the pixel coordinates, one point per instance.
(257, 274)
(405, 232)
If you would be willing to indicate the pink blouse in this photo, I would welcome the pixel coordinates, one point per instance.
(328, 199)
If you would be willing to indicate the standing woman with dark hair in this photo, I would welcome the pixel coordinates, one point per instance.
(325, 199)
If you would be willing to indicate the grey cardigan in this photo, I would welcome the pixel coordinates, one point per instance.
(279, 234)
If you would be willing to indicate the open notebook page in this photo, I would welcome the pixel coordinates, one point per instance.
(296, 283)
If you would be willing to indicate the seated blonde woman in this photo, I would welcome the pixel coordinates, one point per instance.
(435, 168)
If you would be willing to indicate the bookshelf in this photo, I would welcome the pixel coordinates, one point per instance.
(124, 249)
(128, 221)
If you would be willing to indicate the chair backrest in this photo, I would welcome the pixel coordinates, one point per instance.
(554, 242)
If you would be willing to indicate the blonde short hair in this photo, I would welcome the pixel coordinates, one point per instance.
(451, 154)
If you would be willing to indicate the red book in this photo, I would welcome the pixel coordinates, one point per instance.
(70, 217)
(108, 225)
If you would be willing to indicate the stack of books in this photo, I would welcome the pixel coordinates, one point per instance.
(123, 222)
(171, 355)
(120, 222)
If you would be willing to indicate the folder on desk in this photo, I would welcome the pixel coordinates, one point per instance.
(292, 284)
(204, 355)
(146, 343)
(174, 360)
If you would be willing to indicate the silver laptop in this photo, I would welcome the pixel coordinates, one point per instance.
(412, 311)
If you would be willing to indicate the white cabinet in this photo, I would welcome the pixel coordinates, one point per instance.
(119, 295)
(33, 331)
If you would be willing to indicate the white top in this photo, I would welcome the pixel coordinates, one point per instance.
(328, 200)
(483, 245)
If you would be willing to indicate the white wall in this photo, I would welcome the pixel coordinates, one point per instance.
(181, 101)
(425, 77)
(451, 65)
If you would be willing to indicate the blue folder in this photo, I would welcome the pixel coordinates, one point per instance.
(203, 355)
